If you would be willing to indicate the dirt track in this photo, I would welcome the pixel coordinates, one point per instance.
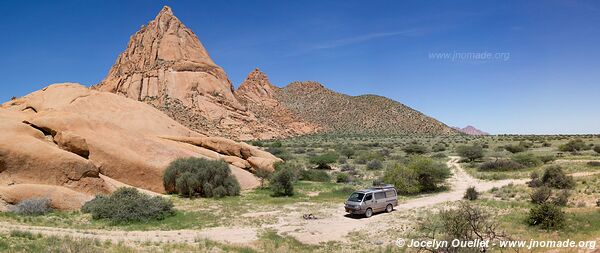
(333, 225)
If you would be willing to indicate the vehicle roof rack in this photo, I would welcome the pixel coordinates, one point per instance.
(383, 186)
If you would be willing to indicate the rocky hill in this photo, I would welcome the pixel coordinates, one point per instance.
(166, 66)
(365, 114)
(471, 130)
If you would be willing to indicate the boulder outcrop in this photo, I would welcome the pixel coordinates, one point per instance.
(67, 135)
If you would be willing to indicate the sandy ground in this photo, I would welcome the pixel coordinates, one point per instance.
(332, 224)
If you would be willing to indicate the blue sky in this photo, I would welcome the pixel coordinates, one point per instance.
(518, 67)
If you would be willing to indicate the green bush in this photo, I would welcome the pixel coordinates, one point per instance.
(527, 160)
(471, 194)
(438, 147)
(555, 177)
(323, 161)
(515, 148)
(128, 205)
(541, 195)
(374, 165)
(547, 158)
(547, 216)
(597, 148)
(342, 178)
(200, 177)
(420, 175)
(501, 165)
(415, 148)
(35, 206)
(562, 198)
(471, 153)
(573, 146)
(314, 175)
(282, 181)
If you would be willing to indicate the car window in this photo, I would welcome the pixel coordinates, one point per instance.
(390, 194)
(379, 195)
(369, 197)
(356, 197)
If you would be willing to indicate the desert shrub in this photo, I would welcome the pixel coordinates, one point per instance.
(547, 158)
(501, 165)
(200, 177)
(593, 163)
(562, 198)
(598, 203)
(374, 165)
(380, 181)
(34, 206)
(471, 153)
(597, 148)
(420, 175)
(546, 144)
(342, 160)
(276, 144)
(439, 155)
(527, 159)
(367, 156)
(547, 216)
(536, 181)
(438, 147)
(573, 146)
(415, 148)
(282, 181)
(342, 178)
(347, 152)
(314, 175)
(466, 222)
(541, 195)
(323, 161)
(385, 152)
(263, 174)
(515, 148)
(280, 152)
(128, 205)
(471, 193)
(555, 177)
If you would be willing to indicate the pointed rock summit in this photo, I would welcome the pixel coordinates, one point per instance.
(256, 86)
(166, 65)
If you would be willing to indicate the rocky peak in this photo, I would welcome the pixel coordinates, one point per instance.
(471, 130)
(256, 86)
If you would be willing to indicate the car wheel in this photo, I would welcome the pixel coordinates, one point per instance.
(369, 213)
(389, 208)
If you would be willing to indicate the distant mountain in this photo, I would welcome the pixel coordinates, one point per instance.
(471, 130)
(166, 66)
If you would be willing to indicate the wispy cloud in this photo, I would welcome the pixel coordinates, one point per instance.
(356, 40)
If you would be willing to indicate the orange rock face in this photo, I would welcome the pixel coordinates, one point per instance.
(166, 66)
(69, 136)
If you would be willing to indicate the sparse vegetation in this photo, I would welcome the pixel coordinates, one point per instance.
(193, 177)
(128, 205)
(501, 165)
(471, 194)
(415, 149)
(471, 153)
(374, 165)
(35, 206)
(420, 175)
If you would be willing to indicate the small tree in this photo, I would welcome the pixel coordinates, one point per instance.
(573, 146)
(323, 161)
(347, 152)
(541, 195)
(415, 148)
(263, 174)
(471, 153)
(547, 216)
(471, 194)
(374, 165)
(555, 177)
(282, 181)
